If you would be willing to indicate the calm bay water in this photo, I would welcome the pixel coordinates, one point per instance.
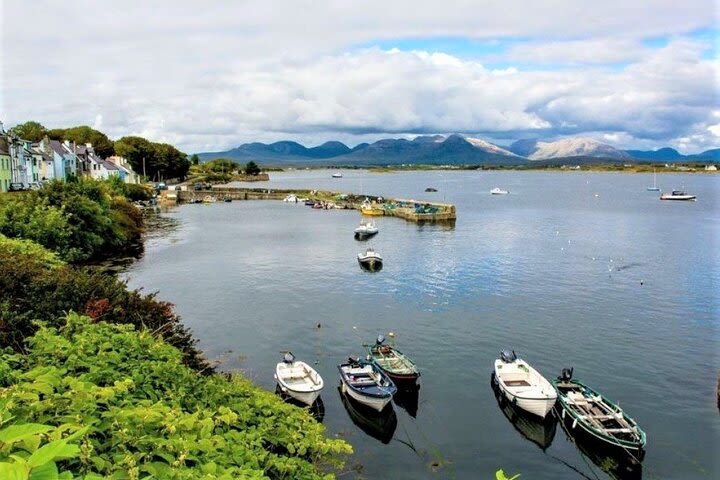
(620, 285)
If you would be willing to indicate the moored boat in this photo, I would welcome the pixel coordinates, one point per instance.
(522, 385)
(370, 260)
(380, 425)
(366, 230)
(654, 187)
(394, 363)
(677, 195)
(337, 175)
(298, 379)
(499, 191)
(584, 409)
(366, 383)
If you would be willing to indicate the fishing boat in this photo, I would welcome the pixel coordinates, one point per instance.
(380, 425)
(499, 191)
(372, 209)
(337, 175)
(588, 411)
(365, 230)
(431, 189)
(677, 195)
(366, 383)
(522, 385)
(298, 379)
(370, 260)
(392, 361)
(654, 187)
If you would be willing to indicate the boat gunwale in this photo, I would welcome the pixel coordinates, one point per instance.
(392, 388)
(405, 376)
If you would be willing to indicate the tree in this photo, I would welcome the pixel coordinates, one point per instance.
(156, 160)
(102, 145)
(194, 159)
(251, 168)
(32, 131)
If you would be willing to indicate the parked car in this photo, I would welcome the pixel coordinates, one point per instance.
(16, 187)
(34, 186)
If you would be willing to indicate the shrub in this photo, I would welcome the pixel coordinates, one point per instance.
(146, 415)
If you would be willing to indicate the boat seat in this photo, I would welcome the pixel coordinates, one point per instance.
(517, 383)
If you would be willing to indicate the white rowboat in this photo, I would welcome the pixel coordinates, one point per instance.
(523, 386)
(298, 380)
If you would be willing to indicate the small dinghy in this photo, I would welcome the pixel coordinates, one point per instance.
(677, 195)
(522, 385)
(392, 361)
(584, 409)
(298, 379)
(366, 230)
(370, 260)
(366, 383)
(499, 191)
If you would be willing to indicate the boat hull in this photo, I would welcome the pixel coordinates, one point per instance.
(678, 197)
(308, 398)
(371, 264)
(303, 389)
(376, 403)
(364, 235)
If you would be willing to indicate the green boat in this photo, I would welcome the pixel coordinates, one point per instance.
(394, 363)
(584, 410)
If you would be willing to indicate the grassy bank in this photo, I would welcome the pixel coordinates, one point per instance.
(119, 389)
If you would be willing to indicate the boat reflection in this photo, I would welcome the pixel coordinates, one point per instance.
(317, 409)
(540, 432)
(617, 463)
(379, 425)
(407, 398)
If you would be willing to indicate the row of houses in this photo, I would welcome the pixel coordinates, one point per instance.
(26, 165)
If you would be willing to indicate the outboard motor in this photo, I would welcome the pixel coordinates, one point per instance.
(566, 374)
(379, 340)
(288, 357)
(354, 360)
(508, 356)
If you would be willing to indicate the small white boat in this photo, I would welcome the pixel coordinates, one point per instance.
(677, 195)
(370, 260)
(366, 383)
(366, 230)
(298, 379)
(337, 175)
(291, 199)
(523, 386)
(499, 191)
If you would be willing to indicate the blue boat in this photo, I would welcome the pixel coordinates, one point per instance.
(367, 383)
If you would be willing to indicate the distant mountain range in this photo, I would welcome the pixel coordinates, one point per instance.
(448, 150)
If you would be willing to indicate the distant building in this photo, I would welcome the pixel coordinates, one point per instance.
(5, 162)
(125, 170)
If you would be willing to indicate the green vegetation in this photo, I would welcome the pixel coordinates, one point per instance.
(251, 168)
(81, 135)
(156, 160)
(118, 403)
(31, 130)
(194, 160)
(80, 219)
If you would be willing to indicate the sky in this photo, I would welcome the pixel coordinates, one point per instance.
(208, 76)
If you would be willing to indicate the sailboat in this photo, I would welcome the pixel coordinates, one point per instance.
(654, 188)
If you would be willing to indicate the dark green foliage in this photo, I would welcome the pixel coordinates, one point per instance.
(136, 412)
(31, 130)
(161, 161)
(221, 165)
(83, 134)
(80, 219)
(195, 160)
(251, 168)
(33, 289)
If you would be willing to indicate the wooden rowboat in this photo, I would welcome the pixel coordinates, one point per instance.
(298, 379)
(392, 361)
(366, 383)
(585, 410)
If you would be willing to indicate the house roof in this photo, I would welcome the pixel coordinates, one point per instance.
(108, 165)
(57, 147)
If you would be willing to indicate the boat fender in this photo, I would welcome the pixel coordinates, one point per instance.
(574, 423)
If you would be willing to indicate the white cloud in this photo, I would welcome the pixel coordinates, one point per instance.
(213, 77)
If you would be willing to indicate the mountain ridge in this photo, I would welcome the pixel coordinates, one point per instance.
(453, 149)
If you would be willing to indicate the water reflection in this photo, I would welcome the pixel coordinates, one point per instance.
(317, 409)
(616, 462)
(539, 432)
(379, 425)
(408, 398)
